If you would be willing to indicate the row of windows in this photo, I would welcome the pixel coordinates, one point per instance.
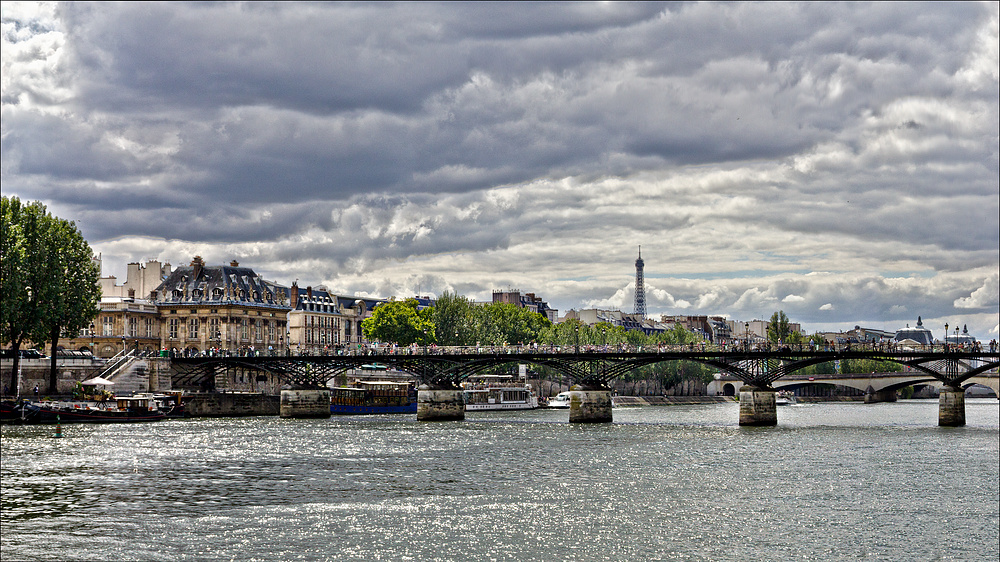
(216, 311)
(132, 329)
(323, 322)
(192, 329)
(322, 337)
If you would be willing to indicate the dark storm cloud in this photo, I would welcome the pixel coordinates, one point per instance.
(335, 99)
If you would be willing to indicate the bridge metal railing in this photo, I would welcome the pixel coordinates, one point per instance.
(380, 349)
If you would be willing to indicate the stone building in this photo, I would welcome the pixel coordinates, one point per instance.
(715, 329)
(527, 300)
(321, 322)
(121, 323)
(221, 309)
(140, 280)
(127, 319)
(629, 321)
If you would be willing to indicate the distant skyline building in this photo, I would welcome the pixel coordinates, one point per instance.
(640, 290)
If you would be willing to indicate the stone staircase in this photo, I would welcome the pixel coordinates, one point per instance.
(131, 374)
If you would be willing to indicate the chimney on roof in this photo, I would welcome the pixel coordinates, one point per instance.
(197, 263)
(309, 293)
(234, 263)
(295, 294)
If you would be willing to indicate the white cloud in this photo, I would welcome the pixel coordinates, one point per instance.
(987, 296)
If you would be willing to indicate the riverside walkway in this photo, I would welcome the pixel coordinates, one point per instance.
(440, 371)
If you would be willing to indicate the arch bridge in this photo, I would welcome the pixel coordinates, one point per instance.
(440, 371)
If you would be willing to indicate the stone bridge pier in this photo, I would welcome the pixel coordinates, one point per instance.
(758, 406)
(304, 403)
(873, 396)
(590, 404)
(435, 403)
(951, 407)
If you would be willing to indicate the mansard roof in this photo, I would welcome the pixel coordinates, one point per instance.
(323, 300)
(198, 284)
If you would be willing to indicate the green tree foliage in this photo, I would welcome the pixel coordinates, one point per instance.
(777, 328)
(677, 335)
(507, 324)
(399, 322)
(20, 257)
(452, 317)
(816, 339)
(458, 321)
(72, 294)
(573, 332)
(48, 281)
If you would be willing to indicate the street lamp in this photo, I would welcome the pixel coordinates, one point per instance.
(92, 339)
(945, 333)
(746, 334)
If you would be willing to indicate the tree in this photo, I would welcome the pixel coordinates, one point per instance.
(22, 253)
(452, 317)
(399, 322)
(817, 339)
(777, 328)
(48, 281)
(71, 296)
(678, 335)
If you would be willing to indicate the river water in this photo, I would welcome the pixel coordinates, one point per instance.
(833, 481)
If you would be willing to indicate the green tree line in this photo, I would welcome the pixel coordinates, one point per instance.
(48, 280)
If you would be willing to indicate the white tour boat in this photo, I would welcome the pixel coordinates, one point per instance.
(493, 393)
(560, 400)
(784, 398)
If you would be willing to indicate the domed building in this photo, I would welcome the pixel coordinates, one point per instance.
(964, 339)
(919, 334)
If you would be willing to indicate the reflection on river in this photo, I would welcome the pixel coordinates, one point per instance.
(836, 481)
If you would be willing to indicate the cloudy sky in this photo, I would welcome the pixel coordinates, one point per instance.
(835, 161)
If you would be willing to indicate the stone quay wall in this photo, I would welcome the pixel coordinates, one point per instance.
(231, 404)
(36, 372)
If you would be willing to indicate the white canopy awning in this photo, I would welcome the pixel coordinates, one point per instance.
(98, 381)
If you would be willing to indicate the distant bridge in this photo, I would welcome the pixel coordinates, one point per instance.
(883, 382)
(878, 387)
